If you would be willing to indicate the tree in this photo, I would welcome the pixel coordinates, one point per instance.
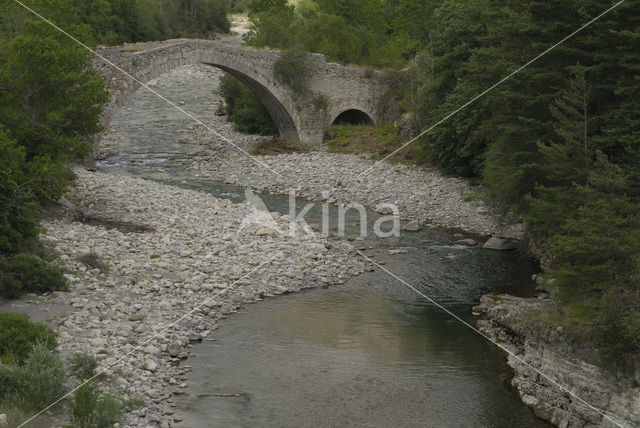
(271, 21)
(596, 246)
(49, 99)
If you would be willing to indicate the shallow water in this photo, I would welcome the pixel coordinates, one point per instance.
(370, 352)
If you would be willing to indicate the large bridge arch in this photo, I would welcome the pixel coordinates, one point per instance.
(277, 111)
(297, 118)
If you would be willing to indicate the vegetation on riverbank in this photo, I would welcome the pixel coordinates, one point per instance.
(32, 376)
(557, 143)
(50, 103)
(377, 140)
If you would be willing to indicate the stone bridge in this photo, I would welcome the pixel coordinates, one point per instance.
(337, 92)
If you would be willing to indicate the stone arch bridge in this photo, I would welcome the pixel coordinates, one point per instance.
(336, 91)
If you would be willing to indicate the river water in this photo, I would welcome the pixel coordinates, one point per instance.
(370, 352)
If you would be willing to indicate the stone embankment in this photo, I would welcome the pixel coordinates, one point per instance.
(198, 260)
(515, 324)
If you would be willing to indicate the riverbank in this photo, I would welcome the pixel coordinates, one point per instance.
(196, 256)
(515, 323)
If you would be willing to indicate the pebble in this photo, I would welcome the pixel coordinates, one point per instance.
(138, 296)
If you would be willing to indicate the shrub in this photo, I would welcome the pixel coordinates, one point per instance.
(291, 69)
(83, 365)
(28, 273)
(89, 410)
(9, 381)
(34, 385)
(42, 377)
(18, 336)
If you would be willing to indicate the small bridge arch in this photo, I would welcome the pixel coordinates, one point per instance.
(353, 116)
(298, 118)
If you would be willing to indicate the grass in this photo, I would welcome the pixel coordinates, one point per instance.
(378, 141)
(277, 146)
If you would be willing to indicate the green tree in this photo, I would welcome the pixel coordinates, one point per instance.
(49, 99)
(271, 21)
(597, 245)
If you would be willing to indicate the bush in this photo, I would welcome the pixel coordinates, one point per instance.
(28, 273)
(18, 336)
(9, 381)
(42, 377)
(89, 410)
(34, 385)
(291, 69)
(83, 365)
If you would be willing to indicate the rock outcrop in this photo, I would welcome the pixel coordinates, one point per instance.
(515, 324)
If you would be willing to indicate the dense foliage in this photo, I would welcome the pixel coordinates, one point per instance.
(18, 336)
(559, 143)
(112, 22)
(50, 102)
(382, 33)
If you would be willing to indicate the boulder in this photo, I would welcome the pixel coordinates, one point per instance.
(152, 393)
(500, 244)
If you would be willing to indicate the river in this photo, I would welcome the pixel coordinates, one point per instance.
(369, 352)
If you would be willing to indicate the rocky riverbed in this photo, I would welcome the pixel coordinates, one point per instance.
(153, 278)
(197, 261)
(420, 194)
(512, 322)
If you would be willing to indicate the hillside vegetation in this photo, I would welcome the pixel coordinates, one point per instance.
(51, 100)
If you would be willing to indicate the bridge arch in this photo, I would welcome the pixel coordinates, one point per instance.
(353, 116)
(279, 114)
(297, 118)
